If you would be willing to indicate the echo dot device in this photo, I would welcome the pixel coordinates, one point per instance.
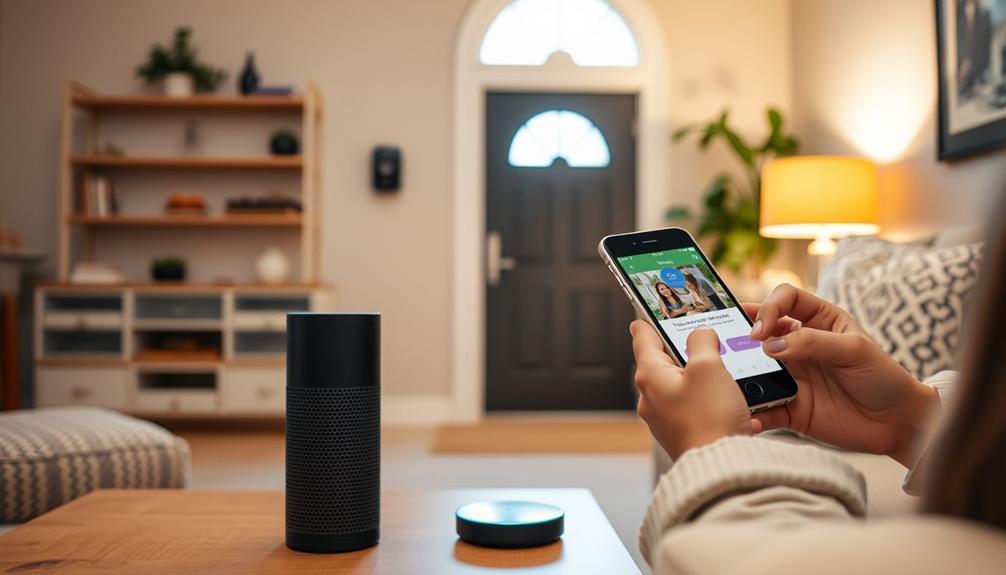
(509, 523)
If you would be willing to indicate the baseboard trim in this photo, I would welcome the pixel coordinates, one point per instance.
(415, 410)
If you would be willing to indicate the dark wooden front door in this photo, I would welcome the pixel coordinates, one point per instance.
(556, 321)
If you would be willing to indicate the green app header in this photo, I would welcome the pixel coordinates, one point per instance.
(658, 260)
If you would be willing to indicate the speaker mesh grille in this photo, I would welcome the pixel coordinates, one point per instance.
(333, 459)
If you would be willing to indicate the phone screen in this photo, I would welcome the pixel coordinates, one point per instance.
(682, 292)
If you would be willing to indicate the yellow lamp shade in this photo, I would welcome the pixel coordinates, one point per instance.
(819, 197)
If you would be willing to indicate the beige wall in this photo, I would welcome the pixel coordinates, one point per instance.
(864, 82)
(723, 54)
(385, 68)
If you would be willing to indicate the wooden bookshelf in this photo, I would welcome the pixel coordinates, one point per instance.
(146, 287)
(81, 159)
(226, 221)
(110, 345)
(197, 102)
(188, 162)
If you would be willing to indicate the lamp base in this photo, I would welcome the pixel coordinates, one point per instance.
(822, 246)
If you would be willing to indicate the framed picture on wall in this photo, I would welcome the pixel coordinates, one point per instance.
(971, 56)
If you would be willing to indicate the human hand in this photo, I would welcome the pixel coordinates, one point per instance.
(852, 394)
(692, 406)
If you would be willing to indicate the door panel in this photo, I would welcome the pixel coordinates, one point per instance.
(533, 199)
(557, 323)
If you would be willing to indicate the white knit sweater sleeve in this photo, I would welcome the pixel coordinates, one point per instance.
(757, 481)
(945, 384)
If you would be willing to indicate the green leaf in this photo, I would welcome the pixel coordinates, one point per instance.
(747, 214)
(740, 244)
(678, 213)
(774, 120)
(714, 222)
(681, 132)
(711, 131)
(742, 150)
(718, 253)
(767, 248)
(715, 196)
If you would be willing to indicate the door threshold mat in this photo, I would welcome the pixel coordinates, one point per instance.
(627, 435)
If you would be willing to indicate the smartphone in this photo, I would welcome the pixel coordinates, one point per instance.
(672, 284)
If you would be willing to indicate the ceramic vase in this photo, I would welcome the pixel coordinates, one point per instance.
(272, 267)
(178, 85)
(248, 81)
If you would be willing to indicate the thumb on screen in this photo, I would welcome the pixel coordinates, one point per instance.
(703, 342)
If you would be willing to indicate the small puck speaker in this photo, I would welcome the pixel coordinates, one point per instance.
(333, 431)
(509, 523)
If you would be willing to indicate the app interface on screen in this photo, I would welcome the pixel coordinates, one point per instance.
(682, 292)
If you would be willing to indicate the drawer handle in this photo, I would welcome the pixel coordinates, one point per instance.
(265, 392)
(77, 392)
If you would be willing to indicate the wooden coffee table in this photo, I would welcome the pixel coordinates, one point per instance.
(149, 532)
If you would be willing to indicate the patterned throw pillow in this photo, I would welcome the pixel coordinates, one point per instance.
(911, 299)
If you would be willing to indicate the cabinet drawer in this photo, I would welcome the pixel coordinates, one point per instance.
(55, 302)
(102, 387)
(83, 320)
(179, 307)
(180, 401)
(260, 321)
(254, 390)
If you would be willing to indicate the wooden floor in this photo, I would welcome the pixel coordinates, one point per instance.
(621, 435)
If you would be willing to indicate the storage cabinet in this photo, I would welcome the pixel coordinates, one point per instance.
(215, 350)
(95, 386)
(260, 323)
(254, 390)
(81, 325)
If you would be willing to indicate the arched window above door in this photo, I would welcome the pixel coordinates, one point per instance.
(559, 134)
(528, 32)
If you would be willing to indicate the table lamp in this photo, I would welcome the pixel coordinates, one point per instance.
(819, 197)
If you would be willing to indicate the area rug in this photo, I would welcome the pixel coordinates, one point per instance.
(628, 435)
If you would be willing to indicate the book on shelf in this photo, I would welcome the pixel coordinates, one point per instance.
(96, 197)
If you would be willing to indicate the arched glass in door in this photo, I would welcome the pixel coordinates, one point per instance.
(559, 134)
(527, 32)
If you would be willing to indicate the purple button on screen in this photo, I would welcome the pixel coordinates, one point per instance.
(743, 342)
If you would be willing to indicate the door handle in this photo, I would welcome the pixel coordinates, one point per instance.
(495, 262)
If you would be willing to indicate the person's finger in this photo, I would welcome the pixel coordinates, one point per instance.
(809, 343)
(783, 326)
(775, 418)
(703, 344)
(646, 344)
(786, 300)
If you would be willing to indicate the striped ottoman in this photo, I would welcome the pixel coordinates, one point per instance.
(51, 456)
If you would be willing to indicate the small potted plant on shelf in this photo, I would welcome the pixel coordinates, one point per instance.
(167, 269)
(178, 69)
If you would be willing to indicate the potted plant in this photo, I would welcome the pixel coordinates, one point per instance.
(167, 269)
(730, 208)
(178, 69)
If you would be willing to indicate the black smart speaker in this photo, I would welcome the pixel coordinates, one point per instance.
(333, 431)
